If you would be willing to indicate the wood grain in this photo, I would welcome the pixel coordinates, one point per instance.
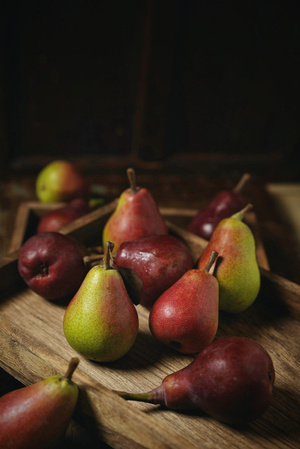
(33, 346)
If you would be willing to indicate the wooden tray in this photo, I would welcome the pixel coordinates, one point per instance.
(33, 346)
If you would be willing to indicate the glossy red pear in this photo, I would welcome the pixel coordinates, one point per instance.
(186, 316)
(223, 205)
(159, 261)
(51, 264)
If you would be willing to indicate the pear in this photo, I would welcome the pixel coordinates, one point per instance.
(38, 415)
(237, 270)
(101, 322)
(224, 204)
(60, 180)
(136, 215)
(185, 317)
(159, 261)
(231, 380)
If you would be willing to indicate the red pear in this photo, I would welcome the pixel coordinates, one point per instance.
(159, 261)
(223, 205)
(136, 216)
(55, 219)
(231, 380)
(185, 317)
(51, 264)
(37, 416)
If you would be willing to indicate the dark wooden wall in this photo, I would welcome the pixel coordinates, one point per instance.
(177, 83)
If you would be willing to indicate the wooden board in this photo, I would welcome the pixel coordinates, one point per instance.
(33, 346)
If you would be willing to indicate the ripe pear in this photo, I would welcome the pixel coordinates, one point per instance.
(231, 380)
(159, 261)
(223, 205)
(237, 270)
(185, 317)
(53, 220)
(37, 416)
(52, 264)
(60, 180)
(136, 216)
(101, 322)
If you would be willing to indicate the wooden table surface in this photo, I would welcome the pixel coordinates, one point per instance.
(280, 243)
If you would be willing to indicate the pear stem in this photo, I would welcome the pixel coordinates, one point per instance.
(132, 179)
(109, 246)
(139, 397)
(212, 258)
(92, 258)
(71, 368)
(242, 182)
(240, 215)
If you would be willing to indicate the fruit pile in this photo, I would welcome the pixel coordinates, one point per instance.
(142, 265)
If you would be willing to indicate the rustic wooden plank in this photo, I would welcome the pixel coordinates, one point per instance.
(33, 346)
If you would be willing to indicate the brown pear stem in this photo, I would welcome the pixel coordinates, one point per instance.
(71, 368)
(242, 182)
(109, 246)
(212, 258)
(240, 215)
(139, 397)
(97, 249)
(132, 179)
(92, 258)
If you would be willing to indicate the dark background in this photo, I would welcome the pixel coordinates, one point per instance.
(207, 86)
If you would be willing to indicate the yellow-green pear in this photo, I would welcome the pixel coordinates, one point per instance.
(236, 270)
(60, 180)
(101, 321)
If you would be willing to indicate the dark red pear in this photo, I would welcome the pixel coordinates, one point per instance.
(37, 416)
(159, 261)
(186, 316)
(51, 264)
(223, 205)
(55, 219)
(231, 380)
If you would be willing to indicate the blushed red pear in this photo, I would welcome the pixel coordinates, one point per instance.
(186, 316)
(136, 215)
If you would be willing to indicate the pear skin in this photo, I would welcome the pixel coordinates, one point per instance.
(101, 322)
(236, 270)
(60, 180)
(37, 416)
(231, 380)
(136, 216)
(186, 316)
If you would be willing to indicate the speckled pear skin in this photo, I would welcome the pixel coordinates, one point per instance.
(101, 322)
(236, 270)
(136, 215)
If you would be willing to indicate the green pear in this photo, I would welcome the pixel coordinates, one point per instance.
(101, 322)
(60, 181)
(236, 270)
(136, 215)
(37, 416)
